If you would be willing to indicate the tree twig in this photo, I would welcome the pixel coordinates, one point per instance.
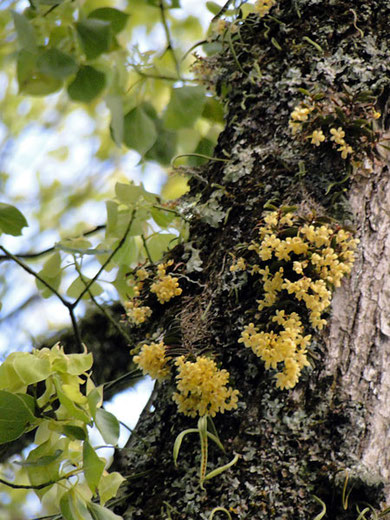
(93, 280)
(32, 256)
(168, 37)
(120, 329)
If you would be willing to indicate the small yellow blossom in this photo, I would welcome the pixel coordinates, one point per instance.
(345, 150)
(166, 286)
(338, 135)
(152, 361)
(137, 313)
(376, 115)
(202, 388)
(262, 7)
(239, 265)
(317, 137)
(142, 274)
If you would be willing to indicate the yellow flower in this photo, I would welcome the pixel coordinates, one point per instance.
(239, 265)
(345, 150)
(338, 135)
(376, 115)
(263, 6)
(202, 388)
(317, 137)
(137, 313)
(152, 361)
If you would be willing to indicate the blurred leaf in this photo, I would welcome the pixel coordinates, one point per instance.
(109, 485)
(184, 107)
(25, 32)
(95, 36)
(74, 432)
(139, 131)
(92, 465)
(213, 7)
(56, 64)
(108, 426)
(160, 243)
(205, 147)
(12, 220)
(78, 285)
(175, 187)
(16, 412)
(117, 18)
(30, 80)
(115, 106)
(102, 513)
(87, 85)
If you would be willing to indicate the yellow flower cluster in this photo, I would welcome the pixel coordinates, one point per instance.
(262, 7)
(166, 287)
(202, 388)
(313, 261)
(239, 265)
(137, 313)
(152, 360)
(288, 346)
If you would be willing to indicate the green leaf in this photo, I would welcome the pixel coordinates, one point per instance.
(184, 107)
(213, 7)
(109, 485)
(92, 466)
(30, 79)
(74, 411)
(179, 440)
(44, 460)
(128, 253)
(51, 273)
(40, 474)
(95, 399)
(139, 131)
(78, 286)
(74, 432)
(102, 513)
(108, 426)
(204, 147)
(221, 469)
(56, 64)
(117, 18)
(11, 220)
(95, 36)
(31, 369)
(164, 148)
(160, 243)
(115, 106)
(161, 217)
(87, 85)
(52, 266)
(73, 507)
(16, 413)
(25, 32)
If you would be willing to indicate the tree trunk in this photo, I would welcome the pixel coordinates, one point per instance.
(330, 431)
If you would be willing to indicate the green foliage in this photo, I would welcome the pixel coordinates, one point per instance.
(11, 220)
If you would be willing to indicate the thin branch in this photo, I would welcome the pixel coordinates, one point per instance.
(93, 280)
(133, 374)
(168, 37)
(37, 486)
(31, 256)
(148, 75)
(223, 9)
(147, 249)
(68, 305)
(107, 314)
(26, 268)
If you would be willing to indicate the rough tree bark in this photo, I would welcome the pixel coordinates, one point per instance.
(293, 444)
